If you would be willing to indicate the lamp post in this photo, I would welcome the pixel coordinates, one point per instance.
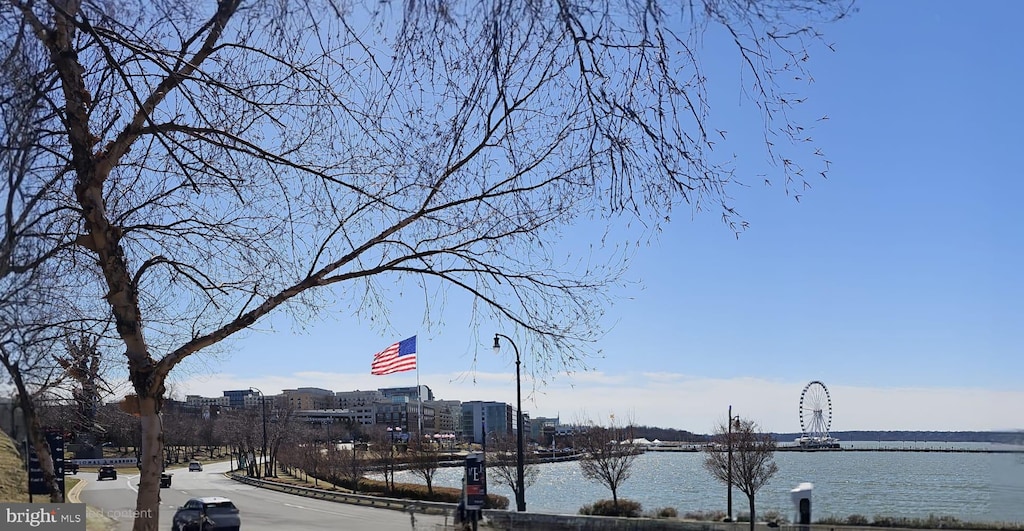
(729, 471)
(520, 488)
(263, 406)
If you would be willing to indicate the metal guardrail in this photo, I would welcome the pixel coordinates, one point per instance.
(418, 506)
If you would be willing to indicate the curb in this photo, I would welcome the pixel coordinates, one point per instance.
(74, 492)
(95, 520)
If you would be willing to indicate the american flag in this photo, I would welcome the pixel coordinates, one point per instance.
(397, 358)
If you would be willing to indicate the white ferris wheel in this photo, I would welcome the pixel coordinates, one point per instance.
(815, 412)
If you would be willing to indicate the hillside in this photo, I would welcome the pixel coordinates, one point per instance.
(13, 478)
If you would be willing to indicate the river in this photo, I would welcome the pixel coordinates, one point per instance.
(977, 487)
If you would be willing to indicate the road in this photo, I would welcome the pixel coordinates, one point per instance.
(261, 509)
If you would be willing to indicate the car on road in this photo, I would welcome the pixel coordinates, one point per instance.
(70, 468)
(212, 513)
(105, 472)
(195, 466)
(165, 480)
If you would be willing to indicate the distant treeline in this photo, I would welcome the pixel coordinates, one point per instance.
(666, 434)
(1003, 437)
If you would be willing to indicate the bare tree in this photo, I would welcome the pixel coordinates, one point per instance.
(752, 457)
(353, 464)
(19, 354)
(382, 453)
(282, 428)
(213, 163)
(608, 455)
(424, 460)
(502, 464)
(26, 226)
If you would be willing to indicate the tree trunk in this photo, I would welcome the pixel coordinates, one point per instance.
(35, 433)
(753, 515)
(147, 503)
(39, 444)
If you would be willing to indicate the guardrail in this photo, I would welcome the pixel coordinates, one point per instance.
(417, 506)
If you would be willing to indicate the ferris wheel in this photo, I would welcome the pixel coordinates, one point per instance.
(815, 411)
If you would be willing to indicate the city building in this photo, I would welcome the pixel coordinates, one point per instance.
(196, 401)
(412, 394)
(405, 415)
(394, 407)
(447, 416)
(485, 418)
(354, 399)
(308, 398)
(236, 398)
(542, 430)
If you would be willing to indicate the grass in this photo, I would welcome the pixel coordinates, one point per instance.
(13, 478)
(14, 484)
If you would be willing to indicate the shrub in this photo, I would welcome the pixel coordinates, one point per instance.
(627, 508)
(706, 516)
(932, 522)
(667, 512)
(775, 516)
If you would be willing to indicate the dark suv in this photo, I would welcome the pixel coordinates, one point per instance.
(210, 513)
(107, 471)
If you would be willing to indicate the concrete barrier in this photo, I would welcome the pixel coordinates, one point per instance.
(527, 521)
(418, 506)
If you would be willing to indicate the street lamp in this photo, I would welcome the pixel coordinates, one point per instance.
(520, 488)
(729, 471)
(263, 405)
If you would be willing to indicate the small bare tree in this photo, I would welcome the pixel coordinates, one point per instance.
(608, 455)
(383, 455)
(502, 463)
(424, 460)
(353, 464)
(751, 453)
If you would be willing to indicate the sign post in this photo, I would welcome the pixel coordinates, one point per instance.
(474, 487)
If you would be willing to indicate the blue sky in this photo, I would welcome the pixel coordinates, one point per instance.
(896, 281)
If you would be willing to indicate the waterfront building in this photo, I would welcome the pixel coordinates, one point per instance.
(447, 416)
(480, 419)
(196, 401)
(357, 398)
(236, 397)
(308, 398)
(542, 430)
(412, 394)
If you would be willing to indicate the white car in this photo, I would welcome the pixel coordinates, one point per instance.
(195, 466)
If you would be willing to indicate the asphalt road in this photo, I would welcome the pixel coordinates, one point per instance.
(261, 509)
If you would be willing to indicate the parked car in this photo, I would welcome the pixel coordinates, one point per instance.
(195, 466)
(165, 480)
(213, 513)
(107, 471)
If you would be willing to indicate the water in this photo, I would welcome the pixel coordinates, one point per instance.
(978, 487)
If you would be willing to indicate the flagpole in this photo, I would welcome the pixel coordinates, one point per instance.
(419, 397)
